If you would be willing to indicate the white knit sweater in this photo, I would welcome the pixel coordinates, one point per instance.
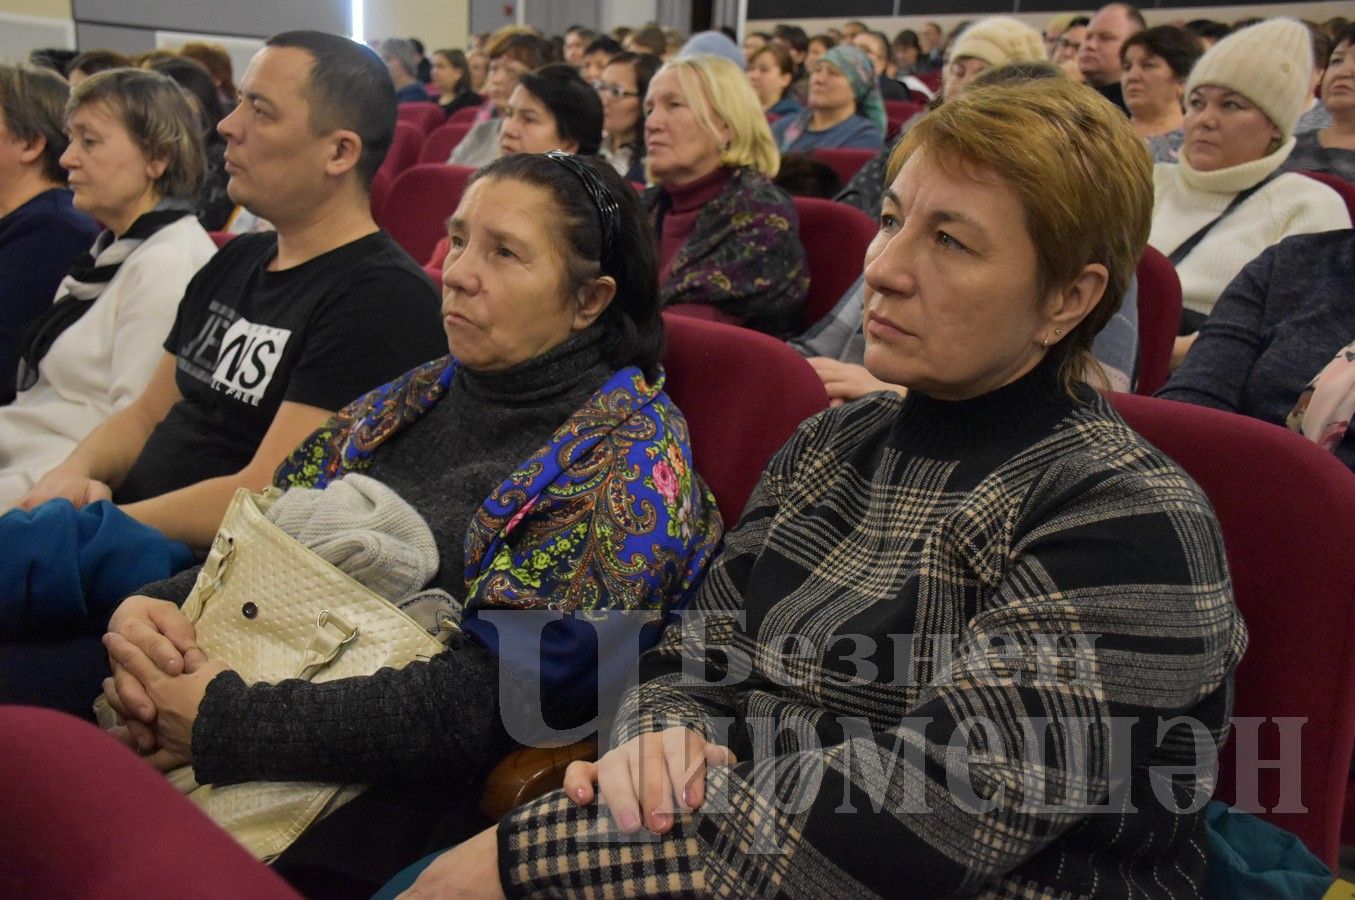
(102, 362)
(1184, 199)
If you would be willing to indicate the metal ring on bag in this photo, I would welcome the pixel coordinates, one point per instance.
(326, 618)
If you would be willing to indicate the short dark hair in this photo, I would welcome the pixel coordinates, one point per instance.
(1178, 48)
(645, 66)
(417, 45)
(58, 59)
(587, 34)
(1208, 29)
(632, 324)
(1346, 35)
(883, 42)
(34, 105)
(1322, 44)
(572, 101)
(349, 88)
(92, 62)
(196, 80)
(1078, 22)
(528, 49)
(652, 38)
(907, 38)
(803, 176)
(603, 44)
(795, 36)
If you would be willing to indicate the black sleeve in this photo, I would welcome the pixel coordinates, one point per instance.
(379, 326)
(175, 588)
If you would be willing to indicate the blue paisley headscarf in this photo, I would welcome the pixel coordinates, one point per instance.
(856, 65)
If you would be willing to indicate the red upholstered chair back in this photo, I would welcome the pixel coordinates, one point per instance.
(419, 203)
(378, 191)
(1338, 184)
(423, 116)
(845, 161)
(1287, 510)
(464, 114)
(835, 237)
(1159, 319)
(743, 395)
(440, 143)
(898, 112)
(404, 149)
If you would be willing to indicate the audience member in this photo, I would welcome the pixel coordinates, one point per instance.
(1068, 47)
(804, 176)
(1315, 114)
(622, 88)
(819, 44)
(713, 43)
(596, 56)
(1208, 31)
(93, 62)
(424, 69)
(1156, 62)
(511, 55)
(552, 396)
(851, 29)
(477, 61)
(215, 59)
(41, 233)
(136, 163)
(1332, 149)
(577, 39)
(213, 206)
(649, 39)
(984, 513)
(1227, 199)
(771, 71)
(1099, 58)
(1054, 29)
(876, 47)
(907, 50)
(403, 63)
(1278, 344)
(451, 75)
(552, 109)
(754, 41)
(57, 59)
(727, 235)
(844, 108)
(933, 47)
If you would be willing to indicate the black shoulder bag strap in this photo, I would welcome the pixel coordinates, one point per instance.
(1188, 245)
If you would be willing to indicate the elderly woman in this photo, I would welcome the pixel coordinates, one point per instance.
(452, 77)
(135, 164)
(553, 472)
(622, 87)
(843, 109)
(1280, 343)
(728, 237)
(511, 55)
(771, 71)
(1156, 63)
(1332, 149)
(41, 234)
(552, 109)
(905, 665)
(1227, 199)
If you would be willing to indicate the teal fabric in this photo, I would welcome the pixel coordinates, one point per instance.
(405, 878)
(1249, 857)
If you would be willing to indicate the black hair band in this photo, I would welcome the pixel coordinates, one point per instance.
(608, 210)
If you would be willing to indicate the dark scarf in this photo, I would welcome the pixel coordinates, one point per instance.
(85, 283)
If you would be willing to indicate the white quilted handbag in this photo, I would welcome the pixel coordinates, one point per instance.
(272, 609)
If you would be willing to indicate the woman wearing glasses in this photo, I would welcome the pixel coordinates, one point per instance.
(622, 89)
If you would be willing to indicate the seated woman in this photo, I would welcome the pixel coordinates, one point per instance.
(1279, 340)
(451, 75)
(728, 238)
(1155, 64)
(553, 472)
(511, 55)
(770, 71)
(622, 87)
(136, 163)
(1332, 149)
(913, 646)
(41, 234)
(1227, 200)
(843, 109)
(552, 109)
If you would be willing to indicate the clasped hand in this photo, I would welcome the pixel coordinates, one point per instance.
(160, 676)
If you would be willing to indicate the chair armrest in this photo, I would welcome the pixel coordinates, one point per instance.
(524, 775)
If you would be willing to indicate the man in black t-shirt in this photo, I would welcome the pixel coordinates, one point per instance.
(278, 330)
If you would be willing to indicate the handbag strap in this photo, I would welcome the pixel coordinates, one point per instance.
(1189, 244)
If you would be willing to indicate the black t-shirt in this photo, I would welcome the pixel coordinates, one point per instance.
(321, 333)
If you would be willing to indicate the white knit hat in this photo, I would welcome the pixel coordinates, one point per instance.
(1270, 63)
(999, 40)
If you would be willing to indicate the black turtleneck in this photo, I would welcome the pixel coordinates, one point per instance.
(487, 424)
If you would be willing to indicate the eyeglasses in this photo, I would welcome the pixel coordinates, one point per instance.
(615, 91)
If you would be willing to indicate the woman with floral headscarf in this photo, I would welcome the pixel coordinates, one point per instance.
(844, 108)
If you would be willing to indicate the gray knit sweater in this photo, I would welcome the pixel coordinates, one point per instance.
(434, 718)
(883, 527)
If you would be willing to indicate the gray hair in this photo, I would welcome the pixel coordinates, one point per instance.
(402, 51)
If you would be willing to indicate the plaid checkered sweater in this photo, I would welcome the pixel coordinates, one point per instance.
(976, 648)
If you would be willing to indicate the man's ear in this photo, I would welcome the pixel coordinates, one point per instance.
(593, 300)
(345, 152)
